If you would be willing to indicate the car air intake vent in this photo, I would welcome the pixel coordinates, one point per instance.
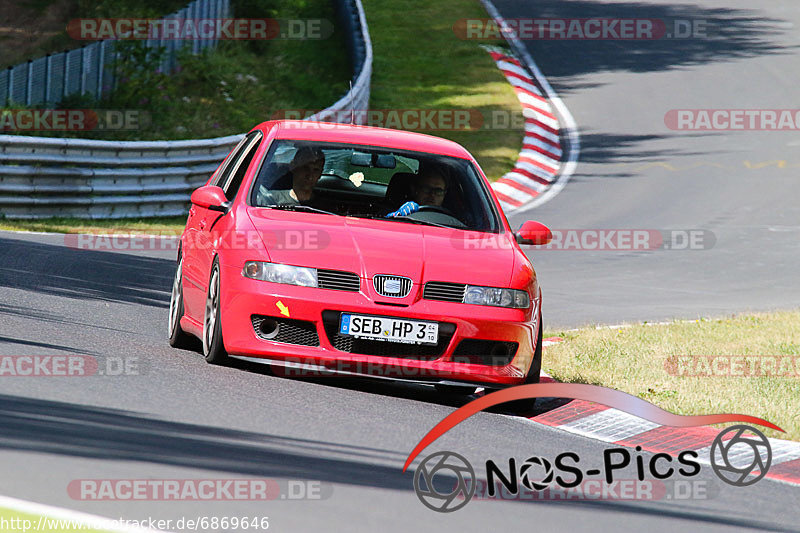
(392, 286)
(443, 291)
(338, 280)
(481, 352)
(285, 330)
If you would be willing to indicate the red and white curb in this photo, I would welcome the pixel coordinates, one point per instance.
(598, 422)
(539, 160)
(549, 341)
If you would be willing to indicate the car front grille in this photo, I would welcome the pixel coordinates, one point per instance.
(286, 330)
(444, 291)
(338, 280)
(392, 286)
(349, 344)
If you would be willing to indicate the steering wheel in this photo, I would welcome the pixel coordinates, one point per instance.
(441, 210)
(438, 209)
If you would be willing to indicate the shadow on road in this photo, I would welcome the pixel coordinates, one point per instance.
(69, 429)
(726, 34)
(707, 36)
(84, 274)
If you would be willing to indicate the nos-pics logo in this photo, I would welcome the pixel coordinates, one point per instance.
(434, 482)
(445, 481)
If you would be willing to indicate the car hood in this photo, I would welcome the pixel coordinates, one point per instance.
(368, 247)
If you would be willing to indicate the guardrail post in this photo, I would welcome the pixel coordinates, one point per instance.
(9, 85)
(216, 10)
(29, 83)
(100, 66)
(48, 65)
(83, 70)
(195, 43)
(66, 75)
(201, 11)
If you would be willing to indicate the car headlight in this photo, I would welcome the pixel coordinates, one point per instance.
(496, 297)
(278, 273)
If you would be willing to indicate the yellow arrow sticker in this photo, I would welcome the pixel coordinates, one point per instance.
(283, 309)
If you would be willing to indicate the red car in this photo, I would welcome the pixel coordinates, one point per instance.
(355, 250)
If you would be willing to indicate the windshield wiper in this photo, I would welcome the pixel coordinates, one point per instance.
(301, 207)
(403, 218)
(424, 222)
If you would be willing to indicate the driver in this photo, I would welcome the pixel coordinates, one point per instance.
(306, 168)
(429, 188)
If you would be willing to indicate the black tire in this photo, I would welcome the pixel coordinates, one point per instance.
(536, 365)
(526, 407)
(213, 346)
(178, 338)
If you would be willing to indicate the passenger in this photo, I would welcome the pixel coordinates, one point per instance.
(305, 169)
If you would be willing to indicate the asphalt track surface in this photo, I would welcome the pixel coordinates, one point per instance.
(181, 418)
(635, 173)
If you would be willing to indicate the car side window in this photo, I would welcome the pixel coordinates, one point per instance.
(225, 173)
(224, 170)
(240, 166)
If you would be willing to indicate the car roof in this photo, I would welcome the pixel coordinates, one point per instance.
(303, 130)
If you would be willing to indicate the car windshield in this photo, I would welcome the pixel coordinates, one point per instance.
(373, 182)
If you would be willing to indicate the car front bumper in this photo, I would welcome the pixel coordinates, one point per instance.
(316, 311)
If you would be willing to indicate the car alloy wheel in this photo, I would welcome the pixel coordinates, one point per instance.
(213, 347)
(177, 337)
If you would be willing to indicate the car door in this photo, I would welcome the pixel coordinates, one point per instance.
(194, 285)
(211, 228)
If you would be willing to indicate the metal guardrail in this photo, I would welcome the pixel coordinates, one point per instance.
(48, 177)
(351, 15)
(42, 177)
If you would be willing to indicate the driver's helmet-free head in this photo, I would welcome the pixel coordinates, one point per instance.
(306, 155)
(430, 186)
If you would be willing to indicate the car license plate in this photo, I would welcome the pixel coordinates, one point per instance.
(381, 328)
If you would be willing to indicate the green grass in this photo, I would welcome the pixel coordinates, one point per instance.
(44, 23)
(420, 63)
(641, 360)
(243, 83)
(156, 225)
(227, 90)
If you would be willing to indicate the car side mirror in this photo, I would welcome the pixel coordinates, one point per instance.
(212, 198)
(533, 232)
